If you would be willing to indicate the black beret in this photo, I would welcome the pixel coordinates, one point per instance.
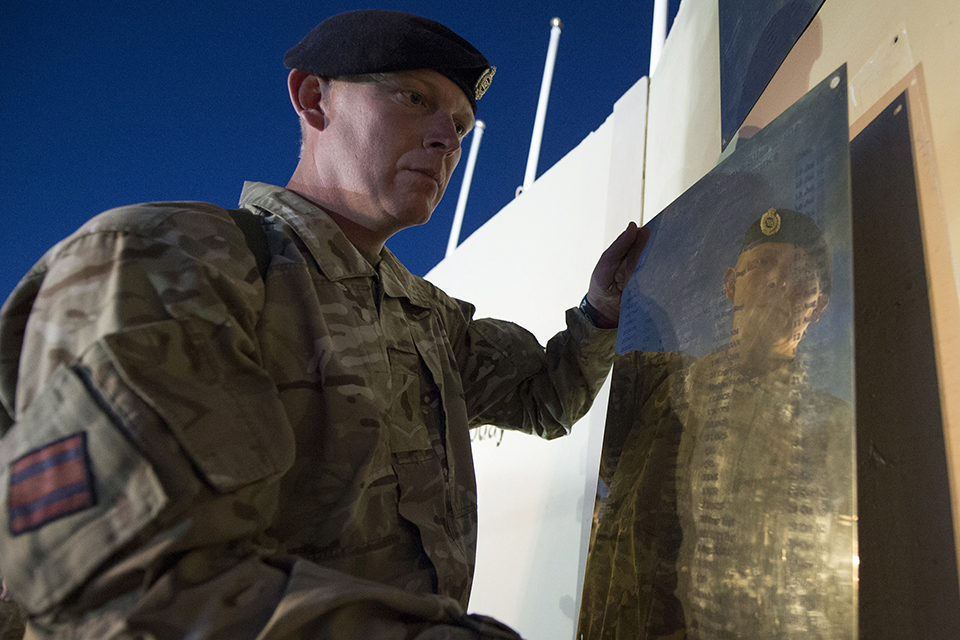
(786, 225)
(378, 41)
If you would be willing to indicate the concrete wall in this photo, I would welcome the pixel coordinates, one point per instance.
(534, 259)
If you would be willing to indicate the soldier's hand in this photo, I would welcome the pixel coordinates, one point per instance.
(613, 271)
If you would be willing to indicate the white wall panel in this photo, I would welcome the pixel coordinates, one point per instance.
(627, 155)
(683, 132)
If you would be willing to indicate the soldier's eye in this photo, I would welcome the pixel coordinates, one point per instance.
(416, 98)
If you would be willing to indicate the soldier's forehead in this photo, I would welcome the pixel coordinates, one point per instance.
(783, 251)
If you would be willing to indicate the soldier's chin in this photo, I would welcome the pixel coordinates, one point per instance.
(429, 207)
(764, 333)
(416, 216)
(766, 347)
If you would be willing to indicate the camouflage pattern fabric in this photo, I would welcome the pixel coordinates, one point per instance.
(12, 621)
(269, 454)
(730, 507)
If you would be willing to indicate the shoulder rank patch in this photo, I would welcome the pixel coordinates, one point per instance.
(49, 483)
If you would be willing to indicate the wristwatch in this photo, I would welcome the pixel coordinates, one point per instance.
(596, 318)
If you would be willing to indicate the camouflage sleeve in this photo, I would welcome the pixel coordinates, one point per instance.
(138, 368)
(512, 382)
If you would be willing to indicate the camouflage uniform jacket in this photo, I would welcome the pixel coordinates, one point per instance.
(320, 412)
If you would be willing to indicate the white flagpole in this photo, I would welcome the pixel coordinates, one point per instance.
(534, 155)
(659, 34)
(478, 128)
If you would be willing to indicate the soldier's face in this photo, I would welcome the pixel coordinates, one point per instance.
(391, 144)
(776, 294)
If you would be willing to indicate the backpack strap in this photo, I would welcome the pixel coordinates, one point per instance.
(251, 224)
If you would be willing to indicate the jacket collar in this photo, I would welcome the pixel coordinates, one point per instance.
(398, 282)
(337, 258)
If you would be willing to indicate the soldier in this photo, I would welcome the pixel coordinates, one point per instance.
(254, 423)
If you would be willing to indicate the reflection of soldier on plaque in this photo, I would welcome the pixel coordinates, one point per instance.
(729, 512)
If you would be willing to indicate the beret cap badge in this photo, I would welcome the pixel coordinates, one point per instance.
(770, 222)
(483, 82)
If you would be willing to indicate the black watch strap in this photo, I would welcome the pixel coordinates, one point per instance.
(596, 318)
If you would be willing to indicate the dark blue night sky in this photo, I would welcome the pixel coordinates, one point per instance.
(108, 102)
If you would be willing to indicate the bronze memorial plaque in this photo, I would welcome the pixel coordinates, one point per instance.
(726, 503)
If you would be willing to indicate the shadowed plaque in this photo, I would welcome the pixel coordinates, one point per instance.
(726, 500)
(755, 37)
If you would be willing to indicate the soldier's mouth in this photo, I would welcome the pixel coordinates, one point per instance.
(430, 173)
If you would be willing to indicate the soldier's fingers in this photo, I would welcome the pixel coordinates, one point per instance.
(632, 256)
(605, 273)
(621, 246)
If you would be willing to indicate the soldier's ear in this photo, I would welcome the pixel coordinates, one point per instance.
(306, 93)
(730, 283)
